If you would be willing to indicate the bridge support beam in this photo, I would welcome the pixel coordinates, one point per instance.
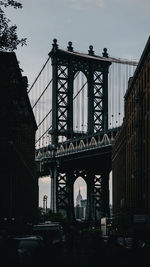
(97, 196)
(105, 93)
(65, 194)
(70, 206)
(90, 197)
(53, 174)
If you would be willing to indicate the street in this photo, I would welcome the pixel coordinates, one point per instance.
(81, 248)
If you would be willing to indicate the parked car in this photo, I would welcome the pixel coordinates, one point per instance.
(106, 239)
(120, 241)
(54, 241)
(52, 233)
(30, 250)
(129, 242)
(8, 251)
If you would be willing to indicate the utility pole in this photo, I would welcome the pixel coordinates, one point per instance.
(45, 203)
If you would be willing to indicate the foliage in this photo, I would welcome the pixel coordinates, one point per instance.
(49, 216)
(52, 216)
(93, 232)
(8, 33)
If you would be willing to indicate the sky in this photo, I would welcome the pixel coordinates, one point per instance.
(122, 26)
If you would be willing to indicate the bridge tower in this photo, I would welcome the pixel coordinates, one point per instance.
(65, 65)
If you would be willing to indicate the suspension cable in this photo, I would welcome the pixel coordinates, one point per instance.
(45, 118)
(43, 134)
(80, 90)
(42, 94)
(38, 75)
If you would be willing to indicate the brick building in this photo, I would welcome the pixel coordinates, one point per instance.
(119, 170)
(131, 152)
(137, 120)
(19, 184)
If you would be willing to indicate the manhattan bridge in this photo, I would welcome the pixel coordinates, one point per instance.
(78, 103)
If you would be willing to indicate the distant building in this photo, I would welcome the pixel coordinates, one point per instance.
(80, 208)
(78, 199)
(19, 183)
(84, 205)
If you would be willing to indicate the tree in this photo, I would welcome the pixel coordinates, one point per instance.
(8, 33)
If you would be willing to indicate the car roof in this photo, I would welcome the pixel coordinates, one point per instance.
(27, 238)
(44, 225)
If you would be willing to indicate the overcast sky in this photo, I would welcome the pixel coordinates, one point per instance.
(123, 26)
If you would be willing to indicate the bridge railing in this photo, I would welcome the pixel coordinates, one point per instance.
(76, 145)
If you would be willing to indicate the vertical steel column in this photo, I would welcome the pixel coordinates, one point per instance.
(53, 200)
(62, 199)
(98, 94)
(97, 197)
(65, 194)
(70, 207)
(105, 92)
(70, 96)
(54, 94)
(90, 96)
(90, 196)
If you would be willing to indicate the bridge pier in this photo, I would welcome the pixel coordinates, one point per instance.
(62, 193)
(97, 195)
(90, 197)
(70, 207)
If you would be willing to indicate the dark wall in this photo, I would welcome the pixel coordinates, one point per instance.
(19, 184)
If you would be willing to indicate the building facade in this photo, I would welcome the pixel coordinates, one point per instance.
(137, 121)
(19, 184)
(119, 170)
(131, 149)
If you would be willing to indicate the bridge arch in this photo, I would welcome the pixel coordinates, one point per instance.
(80, 198)
(80, 102)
